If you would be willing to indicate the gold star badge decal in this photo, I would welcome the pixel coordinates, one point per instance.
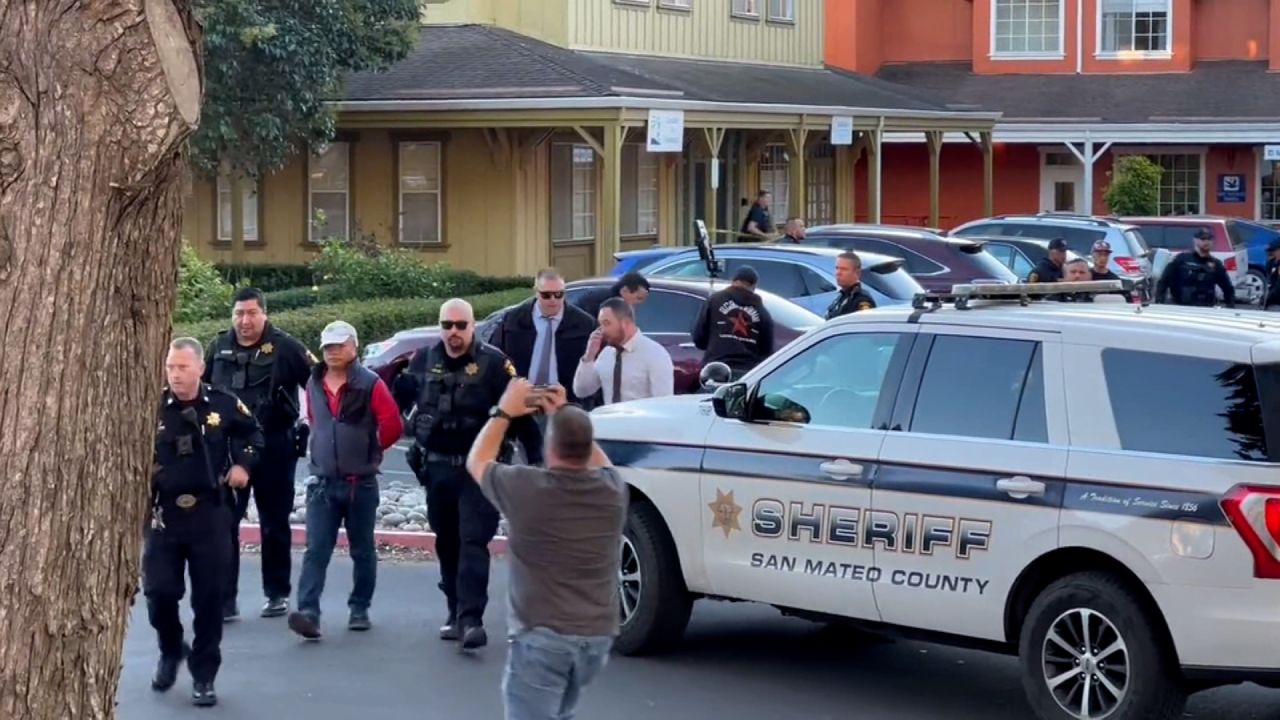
(214, 420)
(472, 369)
(725, 512)
(268, 348)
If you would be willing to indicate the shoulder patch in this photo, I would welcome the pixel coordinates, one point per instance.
(1033, 277)
(864, 305)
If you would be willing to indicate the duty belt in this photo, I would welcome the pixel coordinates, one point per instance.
(186, 501)
(455, 460)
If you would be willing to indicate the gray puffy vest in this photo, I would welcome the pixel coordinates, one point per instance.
(347, 444)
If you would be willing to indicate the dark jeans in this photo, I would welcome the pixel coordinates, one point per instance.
(330, 504)
(195, 541)
(464, 522)
(272, 485)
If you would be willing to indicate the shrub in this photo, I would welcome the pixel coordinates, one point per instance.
(202, 292)
(374, 320)
(1135, 186)
(366, 270)
(299, 297)
(268, 278)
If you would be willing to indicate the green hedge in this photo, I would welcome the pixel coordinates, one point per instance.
(268, 278)
(374, 320)
(462, 283)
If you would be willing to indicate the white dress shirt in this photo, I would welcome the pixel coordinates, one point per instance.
(544, 337)
(646, 371)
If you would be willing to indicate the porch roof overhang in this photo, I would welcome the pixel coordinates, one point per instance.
(1171, 132)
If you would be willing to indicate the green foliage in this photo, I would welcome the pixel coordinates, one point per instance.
(1135, 186)
(355, 270)
(268, 278)
(202, 292)
(271, 65)
(374, 320)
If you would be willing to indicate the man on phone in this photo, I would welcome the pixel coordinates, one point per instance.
(622, 361)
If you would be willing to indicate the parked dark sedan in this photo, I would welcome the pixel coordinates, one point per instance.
(667, 316)
(936, 262)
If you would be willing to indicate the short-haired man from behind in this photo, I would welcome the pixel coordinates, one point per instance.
(734, 326)
(565, 527)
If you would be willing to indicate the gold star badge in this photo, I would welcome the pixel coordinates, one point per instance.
(472, 369)
(864, 306)
(268, 348)
(725, 512)
(214, 420)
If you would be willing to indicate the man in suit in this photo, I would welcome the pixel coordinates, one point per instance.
(545, 336)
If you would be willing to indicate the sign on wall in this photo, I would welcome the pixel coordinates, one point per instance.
(1271, 152)
(842, 130)
(1231, 188)
(666, 131)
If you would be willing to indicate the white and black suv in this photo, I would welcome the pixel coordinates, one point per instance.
(1091, 486)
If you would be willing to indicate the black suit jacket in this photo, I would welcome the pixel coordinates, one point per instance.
(516, 335)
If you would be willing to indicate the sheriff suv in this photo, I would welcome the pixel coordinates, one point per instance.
(1090, 486)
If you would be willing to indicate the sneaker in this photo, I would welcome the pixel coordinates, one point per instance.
(167, 670)
(202, 694)
(359, 621)
(231, 612)
(450, 630)
(474, 637)
(305, 624)
(275, 607)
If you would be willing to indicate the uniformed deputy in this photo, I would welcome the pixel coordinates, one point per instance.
(206, 441)
(1271, 294)
(852, 297)
(463, 382)
(265, 368)
(1050, 268)
(1190, 277)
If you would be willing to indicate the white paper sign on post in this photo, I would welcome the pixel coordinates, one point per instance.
(666, 131)
(842, 130)
(1271, 152)
(715, 173)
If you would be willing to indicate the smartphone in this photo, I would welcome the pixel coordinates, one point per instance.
(535, 398)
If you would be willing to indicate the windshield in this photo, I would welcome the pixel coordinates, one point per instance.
(787, 313)
(984, 265)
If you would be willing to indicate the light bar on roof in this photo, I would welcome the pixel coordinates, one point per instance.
(1022, 292)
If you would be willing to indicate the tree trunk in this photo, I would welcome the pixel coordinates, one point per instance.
(97, 99)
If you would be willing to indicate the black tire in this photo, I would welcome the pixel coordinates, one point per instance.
(1153, 689)
(662, 609)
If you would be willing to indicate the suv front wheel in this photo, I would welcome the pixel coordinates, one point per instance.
(653, 601)
(1088, 651)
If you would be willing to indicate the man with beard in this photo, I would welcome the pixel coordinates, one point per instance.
(463, 382)
(622, 361)
(266, 369)
(734, 326)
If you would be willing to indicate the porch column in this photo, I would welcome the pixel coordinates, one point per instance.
(668, 199)
(713, 138)
(845, 183)
(934, 140)
(796, 145)
(609, 224)
(1087, 158)
(874, 171)
(988, 173)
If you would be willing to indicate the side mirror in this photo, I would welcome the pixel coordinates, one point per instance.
(714, 375)
(730, 401)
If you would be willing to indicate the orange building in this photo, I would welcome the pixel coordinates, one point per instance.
(1193, 84)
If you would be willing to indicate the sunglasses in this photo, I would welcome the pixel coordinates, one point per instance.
(451, 324)
(548, 294)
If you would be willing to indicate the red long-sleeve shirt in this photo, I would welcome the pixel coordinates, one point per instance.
(384, 407)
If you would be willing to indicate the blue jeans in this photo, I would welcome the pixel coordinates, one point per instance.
(330, 504)
(547, 672)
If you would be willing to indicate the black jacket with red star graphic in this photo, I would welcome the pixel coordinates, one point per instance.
(734, 328)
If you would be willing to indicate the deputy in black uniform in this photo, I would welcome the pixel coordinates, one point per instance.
(463, 382)
(207, 442)
(1050, 268)
(1190, 277)
(852, 297)
(265, 368)
(1271, 295)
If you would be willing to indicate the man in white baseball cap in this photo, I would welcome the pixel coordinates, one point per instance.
(354, 419)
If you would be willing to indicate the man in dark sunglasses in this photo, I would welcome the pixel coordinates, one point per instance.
(545, 335)
(464, 379)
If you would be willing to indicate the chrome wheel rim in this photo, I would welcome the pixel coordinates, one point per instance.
(1254, 288)
(1086, 664)
(628, 581)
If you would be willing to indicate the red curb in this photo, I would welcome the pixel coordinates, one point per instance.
(252, 534)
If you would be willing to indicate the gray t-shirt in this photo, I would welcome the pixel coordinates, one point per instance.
(565, 536)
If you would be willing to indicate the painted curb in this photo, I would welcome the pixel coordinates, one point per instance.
(426, 541)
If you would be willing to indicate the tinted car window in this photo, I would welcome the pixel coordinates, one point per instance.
(694, 268)
(1011, 257)
(665, 311)
(1207, 408)
(979, 264)
(1080, 240)
(778, 277)
(1137, 242)
(915, 263)
(896, 284)
(836, 382)
(1180, 237)
(984, 229)
(974, 387)
(814, 283)
(788, 314)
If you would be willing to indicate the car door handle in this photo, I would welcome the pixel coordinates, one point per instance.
(1020, 486)
(841, 469)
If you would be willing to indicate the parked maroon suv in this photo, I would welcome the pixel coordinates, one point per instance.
(666, 316)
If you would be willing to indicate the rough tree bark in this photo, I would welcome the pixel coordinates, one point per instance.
(97, 98)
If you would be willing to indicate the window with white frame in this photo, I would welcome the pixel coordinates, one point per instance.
(573, 192)
(1180, 185)
(419, 188)
(775, 179)
(782, 10)
(745, 8)
(676, 4)
(1134, 26)
(639, 202)
(329, 192)
(1027, 27)
(1270, 190)
(820, 186)
(248, 208)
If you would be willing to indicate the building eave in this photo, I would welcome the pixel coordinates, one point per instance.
(1250, 133)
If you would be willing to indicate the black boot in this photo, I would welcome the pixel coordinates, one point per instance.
(202, 694)
(167, 670)
(474, 637)
(275, 607)
(450, 629)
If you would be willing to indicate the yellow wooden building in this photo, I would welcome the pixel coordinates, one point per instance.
(516, 135)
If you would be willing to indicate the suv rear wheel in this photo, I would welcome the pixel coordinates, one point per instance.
(1088, 651)
(654, 603)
